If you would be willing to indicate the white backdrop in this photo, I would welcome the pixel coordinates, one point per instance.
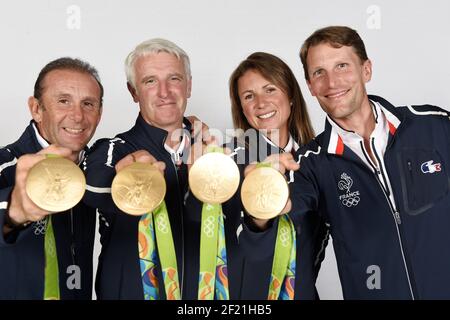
(407, 41)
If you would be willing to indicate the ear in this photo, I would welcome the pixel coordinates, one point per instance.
(189, 87)
(367, 70)
(36, 112)
(132, 91)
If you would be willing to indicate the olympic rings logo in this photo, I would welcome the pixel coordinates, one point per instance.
(162, 224)
(40, 226)
(208, 226)
(353, 201)
(285, 237)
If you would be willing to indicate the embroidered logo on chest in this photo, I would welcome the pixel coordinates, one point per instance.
(349, 198)
(39, 227)
(430, 167)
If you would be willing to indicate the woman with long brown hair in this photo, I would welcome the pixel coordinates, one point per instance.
(267, 103)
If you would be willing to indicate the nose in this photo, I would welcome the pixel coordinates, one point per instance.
(162, 89)
(76, 112)
(260, 101)
(333, 80)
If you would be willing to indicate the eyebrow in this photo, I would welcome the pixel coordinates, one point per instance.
(144, 79)
(316, 68)
(176, 74)
(264, 87)
(68, 95)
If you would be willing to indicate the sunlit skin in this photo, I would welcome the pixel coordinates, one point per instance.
(69, 109)
(265, 105)
(161, 89)
(337, 78)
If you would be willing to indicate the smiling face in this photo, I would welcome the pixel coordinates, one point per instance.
(69, 109)
(337, 78)
(162, 89)
(264, 104)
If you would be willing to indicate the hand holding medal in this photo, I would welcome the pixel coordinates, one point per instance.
(265, 192)
(55, 184)
(214, 177)
(139, 186)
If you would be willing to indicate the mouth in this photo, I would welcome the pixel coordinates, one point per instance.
(337, 95)
(266, 115)
(166, 104)
(73, 131)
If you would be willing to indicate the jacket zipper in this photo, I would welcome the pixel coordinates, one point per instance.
(395, 213)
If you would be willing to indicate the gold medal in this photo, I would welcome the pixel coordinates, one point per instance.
(138, 189)
(214, 178)
(264, 193)
(55, 184)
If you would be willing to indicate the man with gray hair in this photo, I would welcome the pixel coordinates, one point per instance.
(159, 80)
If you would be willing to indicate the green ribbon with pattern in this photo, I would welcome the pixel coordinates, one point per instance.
(151, 225)
(51, 279)
(213, 278)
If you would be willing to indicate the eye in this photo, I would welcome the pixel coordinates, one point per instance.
(63, 101)
(271, 89)
(150, 81)
(317, 73)
(342, 66)
(248, 96)
(175, 78)
(89, 105)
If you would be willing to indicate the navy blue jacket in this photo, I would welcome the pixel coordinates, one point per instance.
(382, 253)
(22, 257)
(119, 275)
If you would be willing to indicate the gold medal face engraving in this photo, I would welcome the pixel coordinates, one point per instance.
(264, 193)
(55, 184)
(138, 189)
(214, 178)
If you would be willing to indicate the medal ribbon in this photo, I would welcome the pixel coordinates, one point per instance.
(213, 278)
(282, 278)
(153, 241)
(51, 278)
(51, 273)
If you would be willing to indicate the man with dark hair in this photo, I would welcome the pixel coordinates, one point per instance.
(66, 109)
(377, 175)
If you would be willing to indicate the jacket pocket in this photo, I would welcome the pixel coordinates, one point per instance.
(424, 179)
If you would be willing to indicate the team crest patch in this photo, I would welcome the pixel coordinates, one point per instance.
(349, 199)
(430, 167)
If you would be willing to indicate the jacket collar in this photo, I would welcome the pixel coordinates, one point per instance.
(291, 146)
(155, 134)
(332, 137)
(44, 143)
(153, 138)
(28, 142)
